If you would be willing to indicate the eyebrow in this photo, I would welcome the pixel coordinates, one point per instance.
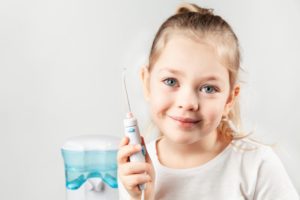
(173, 71)
(207, 78)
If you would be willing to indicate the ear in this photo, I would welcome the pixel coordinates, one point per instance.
(231, 99)
(145, 78)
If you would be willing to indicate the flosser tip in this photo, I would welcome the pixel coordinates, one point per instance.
(129, 115)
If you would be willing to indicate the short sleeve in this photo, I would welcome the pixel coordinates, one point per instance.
(273, 181)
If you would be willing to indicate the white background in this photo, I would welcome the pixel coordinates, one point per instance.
(61, 64)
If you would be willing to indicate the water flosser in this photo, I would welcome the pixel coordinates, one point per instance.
(132, 132)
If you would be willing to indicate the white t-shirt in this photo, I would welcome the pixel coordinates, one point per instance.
(243, 170)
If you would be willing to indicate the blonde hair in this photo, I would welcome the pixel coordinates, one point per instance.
(200, 24)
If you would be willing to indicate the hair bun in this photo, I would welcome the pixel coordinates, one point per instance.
(190, 7)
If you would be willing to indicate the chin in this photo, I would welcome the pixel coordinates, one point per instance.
(183, 139)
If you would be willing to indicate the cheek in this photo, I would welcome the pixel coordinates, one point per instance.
(213, 111)
(158, 101)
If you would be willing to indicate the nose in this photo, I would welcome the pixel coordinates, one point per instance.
(187, 99)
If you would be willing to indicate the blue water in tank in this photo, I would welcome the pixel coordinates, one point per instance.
(82, 165)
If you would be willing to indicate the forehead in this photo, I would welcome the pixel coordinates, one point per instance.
(188, 56)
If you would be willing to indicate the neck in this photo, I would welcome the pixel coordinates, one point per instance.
(194, 154)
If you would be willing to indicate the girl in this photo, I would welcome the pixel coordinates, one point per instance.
(191, 86)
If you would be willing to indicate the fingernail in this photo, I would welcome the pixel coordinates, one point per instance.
(138, 146)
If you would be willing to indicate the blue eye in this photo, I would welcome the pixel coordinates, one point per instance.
(170, 81)
(208, 89)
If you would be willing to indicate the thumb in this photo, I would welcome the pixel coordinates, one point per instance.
(147, 157)
(149, 193)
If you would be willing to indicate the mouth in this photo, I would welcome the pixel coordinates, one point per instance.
(185, 122)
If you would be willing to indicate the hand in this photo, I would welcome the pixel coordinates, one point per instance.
(132, 174)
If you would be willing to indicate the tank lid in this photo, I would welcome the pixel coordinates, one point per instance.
(92, 142)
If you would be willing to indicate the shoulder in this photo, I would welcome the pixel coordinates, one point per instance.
(251, 148)
(254, 154)
(259, 163)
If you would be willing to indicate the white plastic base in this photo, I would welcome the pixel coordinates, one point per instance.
(93, 189)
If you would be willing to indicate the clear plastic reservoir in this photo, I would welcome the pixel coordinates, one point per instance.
(89, 157)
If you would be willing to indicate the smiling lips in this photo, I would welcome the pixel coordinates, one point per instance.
(185, 122)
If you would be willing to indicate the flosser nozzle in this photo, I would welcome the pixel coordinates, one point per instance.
(126, 93)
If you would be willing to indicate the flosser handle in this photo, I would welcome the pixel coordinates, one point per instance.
(132, 132)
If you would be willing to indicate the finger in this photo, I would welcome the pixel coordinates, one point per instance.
(151, 171)
(147, 157)
(133, 181)
(134, 168)
(127, 151)
(143, 145)
(124, 141)
(143, 140)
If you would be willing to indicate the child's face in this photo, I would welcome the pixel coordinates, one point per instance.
(188, 90)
